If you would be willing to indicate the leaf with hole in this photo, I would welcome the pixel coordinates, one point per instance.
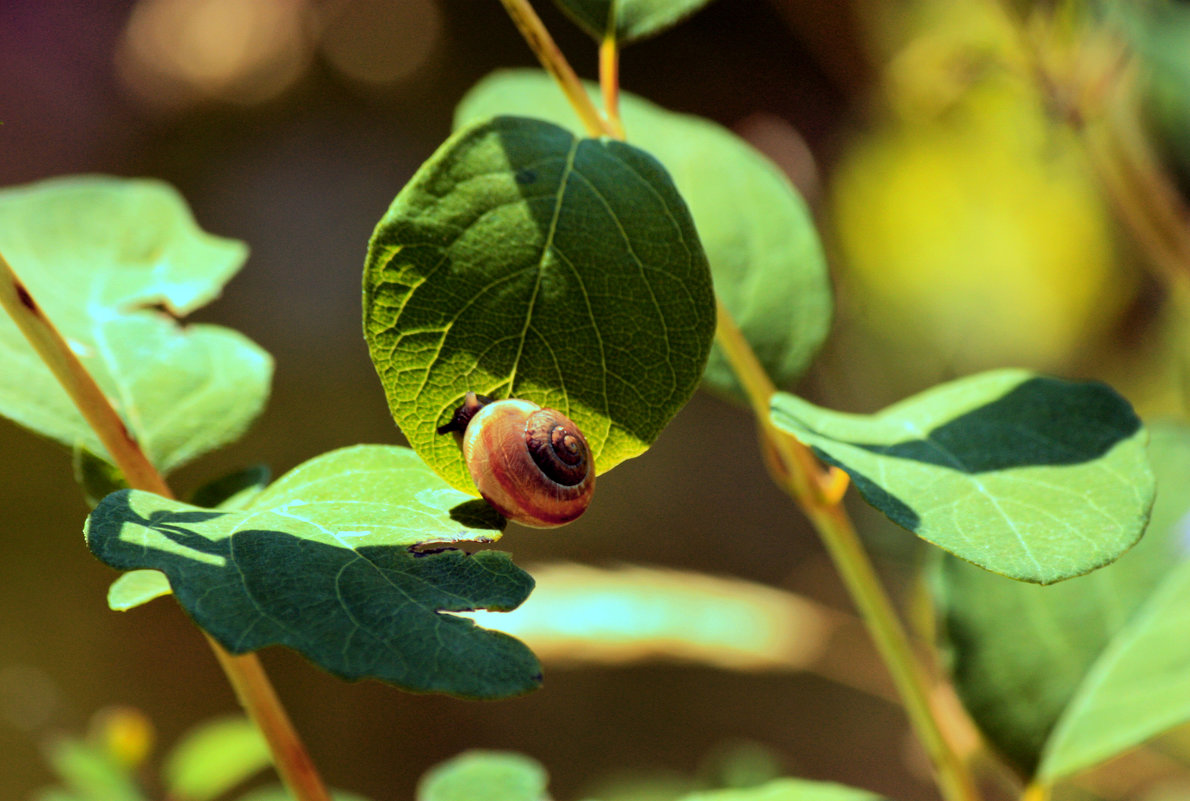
(112, 262)
(767, 261)
(523, 261)
(1035, 478)
(342, 560)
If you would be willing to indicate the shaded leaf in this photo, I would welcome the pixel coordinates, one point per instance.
(1035, 478)
(101, 255)
(628, 19)
(322, 561)
(1019, 652)
(214, 757)
(278, 793)
(95, 476)
(787, 790)
(764, 252)
(485, 776)
(136, 587)
(522, 261)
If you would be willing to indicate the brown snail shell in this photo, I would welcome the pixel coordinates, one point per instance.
(531, 463)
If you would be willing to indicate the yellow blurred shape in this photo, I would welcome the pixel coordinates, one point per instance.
(969, 220)
(628, 614)
(176, 52)
(124, 733)
(380, 41)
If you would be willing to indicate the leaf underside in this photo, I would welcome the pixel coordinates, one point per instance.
(522, 261)
(111, 262)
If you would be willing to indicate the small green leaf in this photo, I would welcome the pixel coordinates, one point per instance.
(1140, 685)
(1032, 477)
(522, 261)
(214, 757)
(99, 255)
(96, 476)
(485, 776)
(1019, 652)
(788, 790)
(135, 588)
(765, 255)
(323, 562)
(630, 20)
(91, 774)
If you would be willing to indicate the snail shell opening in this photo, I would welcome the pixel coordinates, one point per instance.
(532, 464)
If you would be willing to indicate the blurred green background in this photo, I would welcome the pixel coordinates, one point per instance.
(966, 226)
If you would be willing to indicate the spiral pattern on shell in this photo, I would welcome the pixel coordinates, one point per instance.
(532, 464)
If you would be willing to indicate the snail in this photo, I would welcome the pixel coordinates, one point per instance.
(531, 463)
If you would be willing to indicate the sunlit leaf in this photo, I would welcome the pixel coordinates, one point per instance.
(485, 776)
(136, 587)
(586, 614)
(759, 237)
(1032, 477)
(629, 20)
(1140, 685)
(1019, 652)
(325, 562)
(522, 261)
(215, 757)
(100, 256)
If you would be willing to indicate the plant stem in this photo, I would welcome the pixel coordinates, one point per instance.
(551, 58)
(609, 81)
(808, 482)
(244, 672)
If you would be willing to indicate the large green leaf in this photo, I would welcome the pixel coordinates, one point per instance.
(522, 261)
(787, 790)
(758, 234)
(100, 255)
(1019, 652)
(326, 562)
(629, 20)
(1032, 477)
(485, 776)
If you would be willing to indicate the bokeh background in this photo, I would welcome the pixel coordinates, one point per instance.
(966, 225)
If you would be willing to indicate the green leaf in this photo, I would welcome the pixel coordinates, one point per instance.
(96, 476)
(522, 261)
(135, 588)
(1032, 477)
(102, 256)
(629, 20)
(1019, 652)
(324, 561)
(765, 255)
(214, 757)
(90, 774)
(787, 790)
(485, 776)
(1140, 685)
